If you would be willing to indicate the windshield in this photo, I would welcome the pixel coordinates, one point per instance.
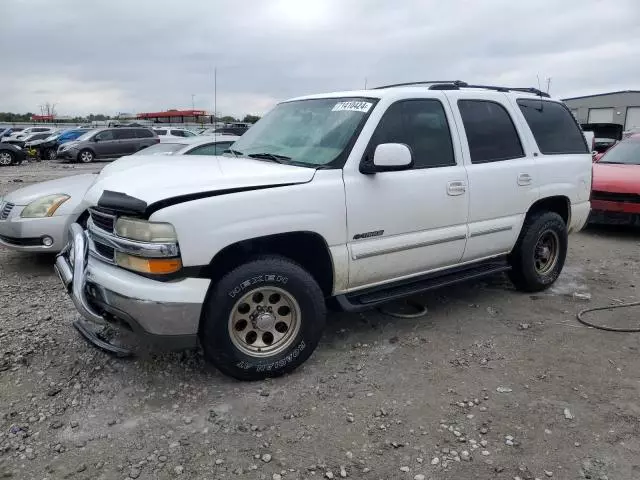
(626, 153)
(86, 136)
(160, 149)
(308, 132)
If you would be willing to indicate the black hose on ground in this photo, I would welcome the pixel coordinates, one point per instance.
(602, 327)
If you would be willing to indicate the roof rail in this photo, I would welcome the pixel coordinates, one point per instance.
(425, 82)
(457, 84)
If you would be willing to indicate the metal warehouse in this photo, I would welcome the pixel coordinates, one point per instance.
(621, 107)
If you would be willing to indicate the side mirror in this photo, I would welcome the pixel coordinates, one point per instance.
(390, 157)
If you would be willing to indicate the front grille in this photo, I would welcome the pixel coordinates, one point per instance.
(5, 210)
(615, 197)
(103, 221)
(104, 251)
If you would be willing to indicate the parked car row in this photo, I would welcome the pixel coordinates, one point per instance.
(37, 218)
(86, 144)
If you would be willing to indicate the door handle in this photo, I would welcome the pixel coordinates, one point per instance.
(456, 188)
(524, 179)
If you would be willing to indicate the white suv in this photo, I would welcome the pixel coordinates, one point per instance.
(360, 197)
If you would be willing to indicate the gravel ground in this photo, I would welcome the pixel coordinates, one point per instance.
(490, 384)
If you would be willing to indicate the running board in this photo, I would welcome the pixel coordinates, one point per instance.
(371, 297)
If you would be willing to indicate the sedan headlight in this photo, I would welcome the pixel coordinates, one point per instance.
(144, 231)
(44, 206)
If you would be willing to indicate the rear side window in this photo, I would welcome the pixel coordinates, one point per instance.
(553, 126)
(144, 133)
(420, 124)
(491, 134)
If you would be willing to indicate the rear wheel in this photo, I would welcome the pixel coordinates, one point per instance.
(539, 255)
(86, 156)
(6, 158)
(263, 319)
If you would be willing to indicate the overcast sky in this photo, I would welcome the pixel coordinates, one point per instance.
(109, 56)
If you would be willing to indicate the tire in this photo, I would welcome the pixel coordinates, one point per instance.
(535, 263)
(85, 156)
(50, 154)
(231, 342)
(6, 158)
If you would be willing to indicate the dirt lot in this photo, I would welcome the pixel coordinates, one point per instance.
(490, 384)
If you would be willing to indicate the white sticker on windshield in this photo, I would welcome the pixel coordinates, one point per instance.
(352, 106)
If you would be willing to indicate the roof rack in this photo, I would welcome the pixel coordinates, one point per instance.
(426, 82)
(457, 84)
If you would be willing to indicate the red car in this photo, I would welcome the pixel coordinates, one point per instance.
(615, 196)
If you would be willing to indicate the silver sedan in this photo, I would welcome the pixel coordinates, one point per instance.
(37, 218)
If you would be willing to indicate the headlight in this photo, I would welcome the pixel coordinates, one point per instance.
(144, 231)
(44, 206)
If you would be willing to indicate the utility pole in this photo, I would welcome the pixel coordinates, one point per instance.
(215, 94)
(548, 84)
(193, 103)
(365, 83)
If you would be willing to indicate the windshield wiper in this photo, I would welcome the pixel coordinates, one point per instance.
(236, 153)
(271, 156)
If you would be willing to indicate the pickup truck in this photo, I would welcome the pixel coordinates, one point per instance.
(354, 198)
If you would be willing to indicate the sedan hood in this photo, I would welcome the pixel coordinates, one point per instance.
(151, 178)
(75, 185)
(616, 178)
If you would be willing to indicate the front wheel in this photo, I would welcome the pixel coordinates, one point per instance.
(539, 255)
(50, 154)
(263, 319)
(86, 156)
(6, 158)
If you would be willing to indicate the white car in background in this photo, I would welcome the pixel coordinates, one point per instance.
(37, 218)
(22, 134)
(168, 133)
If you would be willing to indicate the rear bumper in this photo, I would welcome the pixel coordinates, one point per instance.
(579, 216)
(166, 313)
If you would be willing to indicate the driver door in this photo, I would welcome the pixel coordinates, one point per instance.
(105, 143)
(404, 223)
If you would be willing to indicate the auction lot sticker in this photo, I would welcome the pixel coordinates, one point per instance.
(352, 106)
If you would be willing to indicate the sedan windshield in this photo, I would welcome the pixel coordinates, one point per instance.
(161, 149)
(626, 153)
(305, 132)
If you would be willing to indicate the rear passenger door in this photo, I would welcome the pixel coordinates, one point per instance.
(500, 170)
(128, 141)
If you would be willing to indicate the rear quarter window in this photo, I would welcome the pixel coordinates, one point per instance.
(553, 126)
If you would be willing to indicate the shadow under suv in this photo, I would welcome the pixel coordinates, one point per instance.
(106, 143)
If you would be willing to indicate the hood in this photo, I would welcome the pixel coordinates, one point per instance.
(75, 185)
(151, 178)
(34, 143)
(616, 178)
(604, 130)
